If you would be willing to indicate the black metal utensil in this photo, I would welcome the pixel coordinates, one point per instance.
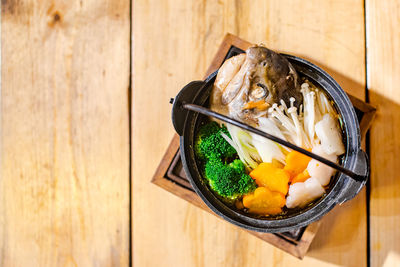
(209, 112)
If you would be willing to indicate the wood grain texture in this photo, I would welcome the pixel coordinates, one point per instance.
(64, 184)
(383, 41)
(173, 43)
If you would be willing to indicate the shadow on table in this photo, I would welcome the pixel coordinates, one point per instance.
(346, 225)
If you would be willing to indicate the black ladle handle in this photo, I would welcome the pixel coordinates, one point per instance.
(209, 112)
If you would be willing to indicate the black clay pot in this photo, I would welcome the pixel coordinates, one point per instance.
(342, 188)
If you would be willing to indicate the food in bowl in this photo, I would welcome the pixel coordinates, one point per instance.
(259, 176)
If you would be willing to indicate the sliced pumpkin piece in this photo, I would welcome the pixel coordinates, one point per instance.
(264, 202)
(270, 176)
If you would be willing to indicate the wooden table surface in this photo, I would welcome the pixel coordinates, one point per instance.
(85, 120)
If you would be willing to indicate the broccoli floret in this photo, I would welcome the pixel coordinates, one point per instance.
(211, 144)
(228, 180)
(238, 166)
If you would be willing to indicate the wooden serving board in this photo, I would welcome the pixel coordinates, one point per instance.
(171, 176)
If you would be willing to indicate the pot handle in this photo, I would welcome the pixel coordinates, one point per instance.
(354, 187)
(186, 95)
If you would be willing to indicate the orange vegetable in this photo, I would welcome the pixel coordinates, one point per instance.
(272, 177)
(277, 164)
(239, 205)
(296, 163)
(265, 202)
(301, 177)
(260, 105)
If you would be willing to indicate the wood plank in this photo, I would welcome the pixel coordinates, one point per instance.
(180, 39)
(383, 23)
(65, 133)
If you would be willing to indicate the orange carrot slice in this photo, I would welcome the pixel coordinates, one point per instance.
(296, 163)
(301, 177)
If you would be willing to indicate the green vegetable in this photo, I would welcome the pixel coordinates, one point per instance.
(227, 179)
(211, 144)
